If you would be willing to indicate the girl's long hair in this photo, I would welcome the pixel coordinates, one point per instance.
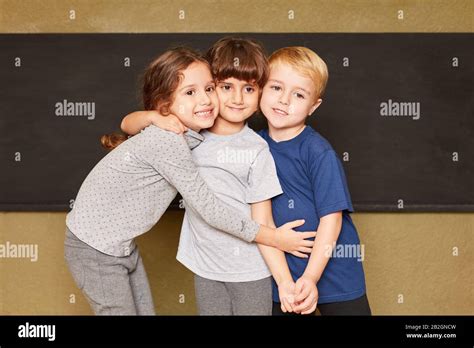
(160, 81)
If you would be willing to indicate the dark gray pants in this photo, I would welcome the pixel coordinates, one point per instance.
(228, 298)
(112, 285)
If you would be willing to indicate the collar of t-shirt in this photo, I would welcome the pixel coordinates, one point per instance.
(207, 134)
(293, 141)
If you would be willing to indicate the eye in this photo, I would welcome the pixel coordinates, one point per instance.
(191, 92)
(226, 87)
(210, 89)
(275, 88)
(249, 89)
(299, 95)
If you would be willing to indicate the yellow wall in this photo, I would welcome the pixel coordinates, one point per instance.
(406, 254)
(129, 16)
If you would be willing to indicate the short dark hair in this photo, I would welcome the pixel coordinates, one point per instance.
(240, 58)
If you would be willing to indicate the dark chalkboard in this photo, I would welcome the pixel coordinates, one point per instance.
(398, 110)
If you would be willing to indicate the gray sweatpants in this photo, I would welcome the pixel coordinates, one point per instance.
(112, 285)
(233, 298)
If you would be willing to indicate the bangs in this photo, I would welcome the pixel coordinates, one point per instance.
(240, 59)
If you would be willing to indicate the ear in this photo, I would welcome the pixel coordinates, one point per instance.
(315, 106)
(164, 109)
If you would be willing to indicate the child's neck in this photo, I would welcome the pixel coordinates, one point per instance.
(283, 134)
(224, 127)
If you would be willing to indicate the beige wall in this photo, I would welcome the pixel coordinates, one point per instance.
(235, 16)
(405, 253)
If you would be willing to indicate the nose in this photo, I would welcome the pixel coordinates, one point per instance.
(237, 97)
(284, 98)
(205, 99)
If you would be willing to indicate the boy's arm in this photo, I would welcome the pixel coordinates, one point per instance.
(326, 237)
(263, 184)
(331, 198)
(274, 258)
(134, 122)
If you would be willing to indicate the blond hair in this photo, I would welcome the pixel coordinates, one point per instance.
(306, 62)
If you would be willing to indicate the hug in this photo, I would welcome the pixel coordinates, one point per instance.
(257, 228)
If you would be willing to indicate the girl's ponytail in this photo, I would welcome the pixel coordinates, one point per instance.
(112, 140)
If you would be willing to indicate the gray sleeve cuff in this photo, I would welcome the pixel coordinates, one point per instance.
(250, 230)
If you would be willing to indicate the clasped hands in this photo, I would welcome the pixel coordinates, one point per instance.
(300, 297)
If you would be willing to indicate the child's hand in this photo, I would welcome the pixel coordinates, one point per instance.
(306, 296)
(286, 292)
(292, 242)
(170, 123)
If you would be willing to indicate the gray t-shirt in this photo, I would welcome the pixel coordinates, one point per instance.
(240, 169)
(128, 191)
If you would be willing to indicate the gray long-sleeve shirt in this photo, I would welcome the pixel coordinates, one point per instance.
(128, 191)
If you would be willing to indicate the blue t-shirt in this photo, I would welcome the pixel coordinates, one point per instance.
(314, 185)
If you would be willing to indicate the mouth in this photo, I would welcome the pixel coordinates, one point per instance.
(236, 109)
(205, 113)
(280, 112)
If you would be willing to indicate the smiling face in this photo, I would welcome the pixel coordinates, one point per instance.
(288, 98)
(238, 99)
(195, 100)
